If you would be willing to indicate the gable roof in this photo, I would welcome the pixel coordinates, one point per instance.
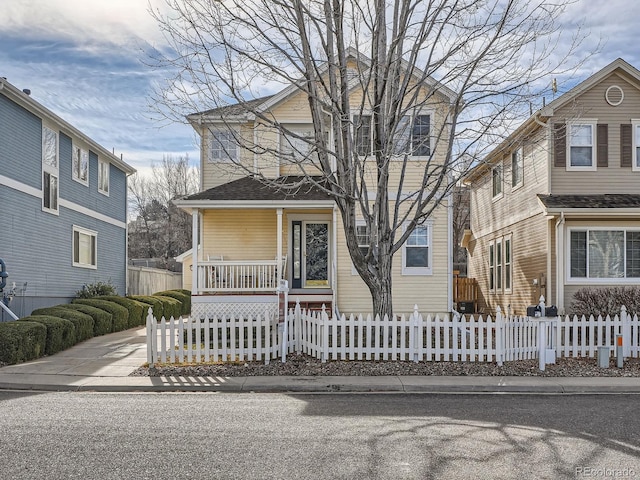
(25, 101)
(250, 192)
(537, 120)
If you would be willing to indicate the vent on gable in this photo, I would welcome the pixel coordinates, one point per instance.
(614, 95)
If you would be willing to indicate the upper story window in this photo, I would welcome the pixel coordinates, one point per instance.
(223, 145)
(413, 136)
(636, 145)
(362, 128)
(517, 168)
(297, 144)
(80, 165)
(364, 238)
(417, 252)
(497, 182)
(50, 170)
(103, 176)
(602, 254)
(581, 146)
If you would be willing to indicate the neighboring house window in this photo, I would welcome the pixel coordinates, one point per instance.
(507, 264)
(417, 252)
(223, 146)
(362, 128)
(604, 254)
(496, 181)
(80, 165)
(492, 266)
(581, 146)
(498, 265)
(50, 169)
(636, 145)
(413, 136)
(103, 177)
(517, 168)
(299, 144)
(84, 248)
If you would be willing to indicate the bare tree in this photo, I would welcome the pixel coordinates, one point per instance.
(476, 63)
(160, 230)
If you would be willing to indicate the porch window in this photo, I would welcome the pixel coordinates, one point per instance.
(417, 251)
(580, 146)
(223, 146)
(84, 248)
(604, 254)
(50, 170)
(80, 165)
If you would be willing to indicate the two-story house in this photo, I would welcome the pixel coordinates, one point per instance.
(249, 235)
(64, 207)
(556, 206)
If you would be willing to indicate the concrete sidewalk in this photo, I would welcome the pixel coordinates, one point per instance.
(103, 364)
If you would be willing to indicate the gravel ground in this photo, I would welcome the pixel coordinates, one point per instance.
(302, 365)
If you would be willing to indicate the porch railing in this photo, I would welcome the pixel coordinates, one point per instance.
(237, 276)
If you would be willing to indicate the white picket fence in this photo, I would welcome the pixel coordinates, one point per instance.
(405, 338)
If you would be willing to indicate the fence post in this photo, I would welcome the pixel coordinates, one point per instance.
(625, 318)
(500, 340)
(542, 306)
(542, 344)
(325, 334)
(298, 326)
(415, 331)
(150, 337)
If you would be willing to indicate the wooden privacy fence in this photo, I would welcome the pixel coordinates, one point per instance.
(405, 338)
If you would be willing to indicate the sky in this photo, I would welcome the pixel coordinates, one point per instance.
(88, 61)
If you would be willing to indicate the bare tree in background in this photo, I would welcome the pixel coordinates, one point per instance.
(160, 230)
(489, 59)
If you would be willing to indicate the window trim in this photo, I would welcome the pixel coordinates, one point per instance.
(592, 123)
(74, 149)
(520, 153)
(94, 245)
(102, 162)
(635, 158)
(406, 271)
(52, 171)
(500, 194)
(569, 280)
(212, 131)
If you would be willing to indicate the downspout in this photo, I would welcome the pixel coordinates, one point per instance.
(560, 263)
(334, 261)
(450, 256)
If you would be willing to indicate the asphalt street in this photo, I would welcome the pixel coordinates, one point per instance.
(309, 436)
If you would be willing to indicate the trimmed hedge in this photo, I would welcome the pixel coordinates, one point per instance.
(137, 310)
(22, 341)
(181, 297)
(154, 302)
(172, 307)
(102, 320)
(61, 334)
(82, 322)
(120, 315)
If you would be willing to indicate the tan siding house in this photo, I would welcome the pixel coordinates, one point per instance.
(574, 219)
(250, 236)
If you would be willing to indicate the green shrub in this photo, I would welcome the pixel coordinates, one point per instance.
(183, 290)
(97, 289)
(154, 302)
(181, 297)
(61, 334)
(137, 310)
(119, 314)
(605, 301)
(22, 341)
(82, 322)
(171, 306)
(102, 320)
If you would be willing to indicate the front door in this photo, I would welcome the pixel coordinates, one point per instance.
(310, 254)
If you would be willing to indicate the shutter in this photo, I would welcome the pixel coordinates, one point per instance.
(625, 145)
(560, 144)
(603, 145)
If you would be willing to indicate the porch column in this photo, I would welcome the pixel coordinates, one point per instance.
(194, 251)
(279, 244)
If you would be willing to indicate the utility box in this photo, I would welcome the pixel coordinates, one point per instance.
(465, 307)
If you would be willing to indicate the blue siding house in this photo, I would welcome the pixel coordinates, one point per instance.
(63, 200)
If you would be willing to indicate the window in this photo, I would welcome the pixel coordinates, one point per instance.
(498, 282)
(416, 252)
(364, 238)
(500, 265)
(604, 254)
(496, 181)
(517, 168)
(80, 165)
(103, 176)
(507, 264)
(223, 146)
(299, 144)
(362, 127)
(636, 144)
(49, 170)
(492, 266)
(580, 146)
(413, 136)
(84, 248)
